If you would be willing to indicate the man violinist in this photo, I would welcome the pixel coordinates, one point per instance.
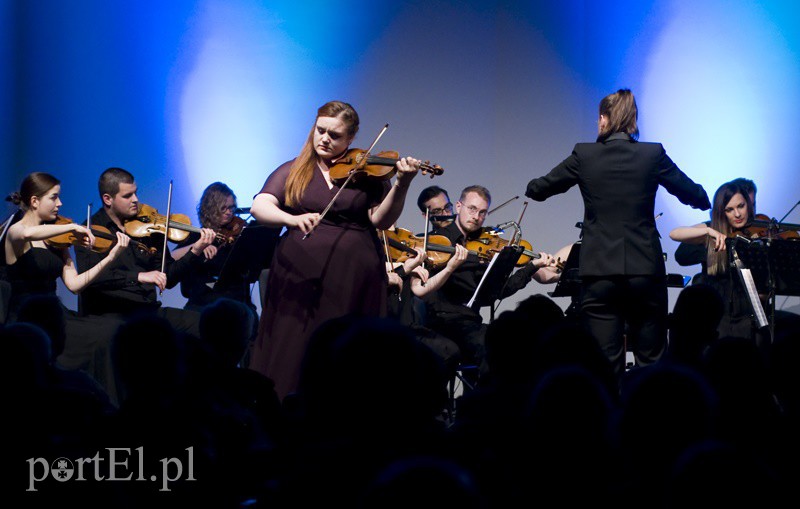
(128, 286)
(435, 201)
(447, 311)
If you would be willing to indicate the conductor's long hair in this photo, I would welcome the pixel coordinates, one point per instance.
(622, 113)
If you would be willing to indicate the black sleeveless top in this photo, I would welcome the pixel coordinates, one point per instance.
(34, 273)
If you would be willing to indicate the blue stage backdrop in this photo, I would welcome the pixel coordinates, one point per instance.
(497, 92)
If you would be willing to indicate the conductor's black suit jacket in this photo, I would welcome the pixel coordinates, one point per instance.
(618, 179)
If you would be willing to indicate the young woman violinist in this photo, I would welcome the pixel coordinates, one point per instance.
(731, 212)
(35, 262)
(34, 265)
(323, 268)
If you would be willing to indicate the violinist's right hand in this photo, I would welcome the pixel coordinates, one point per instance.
(306, 222)
(395, 281)
(717, 238)
(210, 252)
(156, 277)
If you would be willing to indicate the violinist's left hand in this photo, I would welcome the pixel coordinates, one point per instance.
(414, 262)
(546, 260)
(407, 169)
(85, 234)
(207, 236)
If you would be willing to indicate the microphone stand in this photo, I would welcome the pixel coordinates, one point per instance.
(502, 205)
(790, 211)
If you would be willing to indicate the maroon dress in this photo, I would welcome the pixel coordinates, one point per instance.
(335, 271)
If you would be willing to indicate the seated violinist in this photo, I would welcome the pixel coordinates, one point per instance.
(731, 212)
(129, 285)
(446, 309)
(409, 282)
(34, 260)
(434, 202)
(36, 251)
(215, 211)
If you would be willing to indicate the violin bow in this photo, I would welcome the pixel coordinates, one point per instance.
(361, 164)
(425, 236)
(166, 231)
(386, 251)
(6, 224)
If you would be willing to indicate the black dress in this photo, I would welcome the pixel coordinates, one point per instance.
(338, 270)
(87, 340)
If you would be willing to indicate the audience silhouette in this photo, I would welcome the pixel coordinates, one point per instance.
(714, 422)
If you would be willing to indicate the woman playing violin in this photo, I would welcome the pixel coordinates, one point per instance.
(337, 268)
(731, 213)
(34, 266)
(215, 211)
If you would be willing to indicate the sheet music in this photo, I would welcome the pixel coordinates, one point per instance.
(749, 284)
(485, 274)
(752, 293)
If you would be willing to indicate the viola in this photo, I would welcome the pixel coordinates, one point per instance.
(381, 166)
(149, 221)
(402, 244)
(104, 239)
(490, 242)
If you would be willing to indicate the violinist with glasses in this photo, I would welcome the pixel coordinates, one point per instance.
(216, 210)
(447, 311)
(129, 286)
(329, 261)
(434, 203)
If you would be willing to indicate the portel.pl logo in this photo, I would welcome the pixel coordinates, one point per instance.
(111, 464)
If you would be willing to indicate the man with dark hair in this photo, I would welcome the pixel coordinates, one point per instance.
(128, 285)
(437, 201)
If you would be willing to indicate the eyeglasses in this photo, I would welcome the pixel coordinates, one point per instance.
(448, 208)
(474, 211)
(226, 208)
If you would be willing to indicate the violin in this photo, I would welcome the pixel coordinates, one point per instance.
(104, 239)
(490, 242)
(228, 233)
(763, 227)
(381, 166)
(148, 221)
(402, 244)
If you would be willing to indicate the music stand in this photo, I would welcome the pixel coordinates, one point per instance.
(250, 254)
(775, 267)
(569, 284)
(494, 279)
